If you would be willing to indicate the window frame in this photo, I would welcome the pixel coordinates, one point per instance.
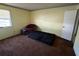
(10, 17)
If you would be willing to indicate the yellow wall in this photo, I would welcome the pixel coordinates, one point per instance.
(20, 18)
(50, 20)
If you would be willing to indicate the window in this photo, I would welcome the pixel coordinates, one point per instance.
(5, 19)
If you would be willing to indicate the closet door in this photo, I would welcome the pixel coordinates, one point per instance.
(68, 26)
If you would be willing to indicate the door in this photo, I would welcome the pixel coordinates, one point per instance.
(68, 26)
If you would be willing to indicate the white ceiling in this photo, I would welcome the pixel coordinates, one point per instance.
(36, 6)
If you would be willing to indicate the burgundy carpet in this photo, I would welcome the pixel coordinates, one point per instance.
(23, 46)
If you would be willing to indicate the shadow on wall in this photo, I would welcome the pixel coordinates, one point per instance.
(48, 26)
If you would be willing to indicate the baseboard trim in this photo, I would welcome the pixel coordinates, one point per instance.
(10, 37)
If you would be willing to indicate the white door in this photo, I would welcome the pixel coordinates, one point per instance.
(68, 26)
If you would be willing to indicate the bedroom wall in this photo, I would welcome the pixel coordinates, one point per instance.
(20, 18)
(50, 20)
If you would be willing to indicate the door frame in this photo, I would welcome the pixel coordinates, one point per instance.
(75, 27)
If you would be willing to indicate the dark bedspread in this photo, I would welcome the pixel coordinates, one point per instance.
(44, 37)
